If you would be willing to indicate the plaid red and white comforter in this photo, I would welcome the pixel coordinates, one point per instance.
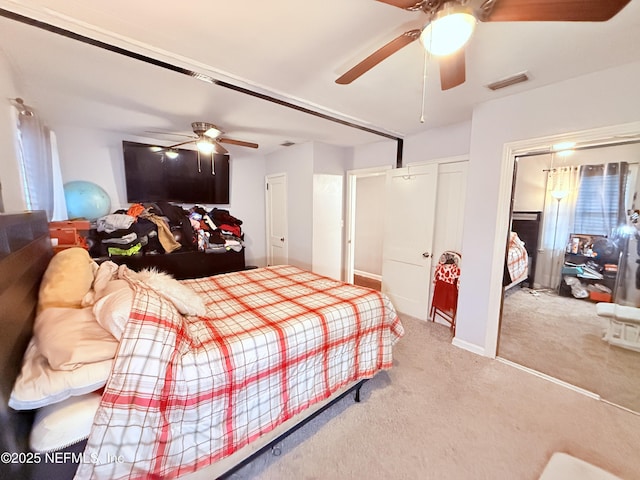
(188, 391)
(517, 258)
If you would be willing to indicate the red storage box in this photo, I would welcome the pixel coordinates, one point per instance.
(599, 296)
(65, 236)
(79, 225)
(68, 234)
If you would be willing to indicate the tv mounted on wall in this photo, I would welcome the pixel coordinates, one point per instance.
(152, 176)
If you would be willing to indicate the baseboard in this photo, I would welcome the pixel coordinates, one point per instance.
(372, 276)
(471, 347)
(549, 378)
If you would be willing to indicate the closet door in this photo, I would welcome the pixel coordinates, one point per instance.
(408, 238)
(452, 187)
(276, 224)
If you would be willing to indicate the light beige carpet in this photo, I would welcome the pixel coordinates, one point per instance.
(562, 337)
(445, 413)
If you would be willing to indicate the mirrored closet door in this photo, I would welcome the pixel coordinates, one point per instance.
(571, 307)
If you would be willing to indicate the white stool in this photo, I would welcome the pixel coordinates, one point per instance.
(563, 466)
(624, 325)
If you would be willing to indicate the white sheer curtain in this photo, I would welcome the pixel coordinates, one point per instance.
(39, 162)
(560, 201)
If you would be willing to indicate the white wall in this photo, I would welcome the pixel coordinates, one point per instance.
(297, 162)
(437, 143)
(331, 159)
(374, 155)
(10, 177)
(531, 182)
(369, 224)
(94, 156)
(605, 98)
(247, 199)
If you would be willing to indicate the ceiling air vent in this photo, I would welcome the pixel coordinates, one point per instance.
(287, 144)
(508, 81)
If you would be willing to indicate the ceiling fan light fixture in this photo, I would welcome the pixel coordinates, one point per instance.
(205, 145)
(450, 29)
(171, 154)
(213, 132)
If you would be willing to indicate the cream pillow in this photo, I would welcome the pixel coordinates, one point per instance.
(62, 424)
(67, 279)
(71, 337)
(112, 310)
(39, 385)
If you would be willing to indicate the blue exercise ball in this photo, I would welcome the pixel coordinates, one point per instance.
(86, 200)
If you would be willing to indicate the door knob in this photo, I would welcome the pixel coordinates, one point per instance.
(282, 239)
(426, 254)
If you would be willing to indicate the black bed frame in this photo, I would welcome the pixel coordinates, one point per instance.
(25, 252)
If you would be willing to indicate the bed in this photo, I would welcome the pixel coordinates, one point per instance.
(517, 262)
(201, 373)
(526, 226)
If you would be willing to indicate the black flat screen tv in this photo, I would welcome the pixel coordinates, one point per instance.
(151, 176)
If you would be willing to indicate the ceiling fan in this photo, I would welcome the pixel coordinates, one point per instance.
(207, 138)
(450, 24)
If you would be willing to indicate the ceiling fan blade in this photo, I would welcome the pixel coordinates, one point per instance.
(237, 142)
(170, 134)
(181, 143)
(404, 4)
(379, 55)
(553, 10)
(452, 69)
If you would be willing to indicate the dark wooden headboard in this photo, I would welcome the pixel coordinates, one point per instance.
(25, 252)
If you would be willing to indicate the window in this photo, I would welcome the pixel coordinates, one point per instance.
(601, 193)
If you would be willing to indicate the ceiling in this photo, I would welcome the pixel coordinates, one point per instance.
(288, 51)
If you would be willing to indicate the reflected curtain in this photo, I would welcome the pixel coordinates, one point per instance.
(42, 180)
(587, 199)
(560, 202)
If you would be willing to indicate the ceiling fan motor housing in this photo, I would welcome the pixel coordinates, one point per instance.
(199, 128)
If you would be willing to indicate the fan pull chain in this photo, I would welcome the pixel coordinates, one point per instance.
(424, 84)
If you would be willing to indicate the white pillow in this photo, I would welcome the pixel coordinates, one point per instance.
(106, 273)
(71, 337)
(113, 309)
(62, 424)
(39, 385)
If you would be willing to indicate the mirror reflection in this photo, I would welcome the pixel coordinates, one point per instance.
(571, 307)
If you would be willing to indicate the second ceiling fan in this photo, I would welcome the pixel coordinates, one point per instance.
(450, 24)
(208, 138)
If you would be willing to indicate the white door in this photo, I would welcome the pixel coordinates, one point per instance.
(408, 239)
(276, 201)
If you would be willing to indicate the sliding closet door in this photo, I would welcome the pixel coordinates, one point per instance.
(408, 239)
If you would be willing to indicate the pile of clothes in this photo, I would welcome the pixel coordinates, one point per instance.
(162, 227)
(216, 229)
